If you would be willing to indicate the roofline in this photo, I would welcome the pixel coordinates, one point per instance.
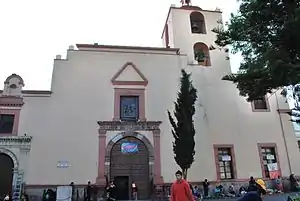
(40, 92)
(126, 47)
(194, 8)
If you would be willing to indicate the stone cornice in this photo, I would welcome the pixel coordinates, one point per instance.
(11, 101)
(284, 111)
(128, 126)
(22, 142)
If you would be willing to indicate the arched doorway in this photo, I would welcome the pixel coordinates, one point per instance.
(129, 162)
(6, 174)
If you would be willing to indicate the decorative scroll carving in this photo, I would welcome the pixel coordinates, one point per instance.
(129, 126)
(22, 142)
(11, 101)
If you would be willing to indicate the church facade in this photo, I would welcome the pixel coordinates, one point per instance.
(105, 117)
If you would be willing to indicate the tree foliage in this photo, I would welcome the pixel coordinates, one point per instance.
(267, 33)
(183, 127)
(292, 93)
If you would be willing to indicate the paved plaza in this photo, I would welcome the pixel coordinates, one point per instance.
(267, 198)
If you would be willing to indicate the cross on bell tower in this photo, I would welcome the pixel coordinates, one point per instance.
(186, 2)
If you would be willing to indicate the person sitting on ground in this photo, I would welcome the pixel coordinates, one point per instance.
(279, 185)
(252, 185)
(242, 191)
(261, 187)
(219, 191)
(196, 192)
(231, 191)
(294, 184)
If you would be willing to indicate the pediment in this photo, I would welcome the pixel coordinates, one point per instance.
(129, 74)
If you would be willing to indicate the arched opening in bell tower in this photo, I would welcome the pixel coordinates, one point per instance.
(197, 23)
(201, 54)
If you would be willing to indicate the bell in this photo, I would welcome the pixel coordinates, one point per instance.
(195, 26)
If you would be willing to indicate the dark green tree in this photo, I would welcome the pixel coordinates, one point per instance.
(183, 127)
(267, 33)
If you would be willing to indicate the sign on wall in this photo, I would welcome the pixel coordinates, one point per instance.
(63, 164)
(129, 147)
(226, 158)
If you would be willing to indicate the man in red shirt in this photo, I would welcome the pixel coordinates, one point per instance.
(180, 190)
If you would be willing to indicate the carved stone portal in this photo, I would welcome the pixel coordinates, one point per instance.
(128, 129)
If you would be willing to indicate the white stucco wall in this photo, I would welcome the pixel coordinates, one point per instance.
(64, 125)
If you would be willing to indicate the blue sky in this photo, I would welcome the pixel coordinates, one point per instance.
(34, 31)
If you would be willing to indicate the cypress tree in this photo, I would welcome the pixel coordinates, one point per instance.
(183, 127)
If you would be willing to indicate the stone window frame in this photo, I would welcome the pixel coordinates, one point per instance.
(261, 110)
(216, 147)
(16, 113)
(268, 145)
(139, 92)
(136, 100)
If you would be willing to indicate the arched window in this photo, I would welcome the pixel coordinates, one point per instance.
(201, 53)
(197, 23)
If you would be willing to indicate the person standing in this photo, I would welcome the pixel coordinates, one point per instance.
(294, 183)
(180, 190)
(205, 187)
(111, 192)
(88, 191)
(134, 190)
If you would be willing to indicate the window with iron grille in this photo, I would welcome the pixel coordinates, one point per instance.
(129, 108)
(268, 155)
(225, 163)
(6, 123)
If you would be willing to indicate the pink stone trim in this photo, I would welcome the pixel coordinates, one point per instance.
(158, 179)
(129, 92)
(16, 113)
(154, 151)
(101, 180)
(115, 82)
(114, 47)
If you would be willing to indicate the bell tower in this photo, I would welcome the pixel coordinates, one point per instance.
(185, 2)
(189, 28)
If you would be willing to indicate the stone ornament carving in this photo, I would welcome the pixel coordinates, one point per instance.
(21, 142)
(128, 126)
(13, 85)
